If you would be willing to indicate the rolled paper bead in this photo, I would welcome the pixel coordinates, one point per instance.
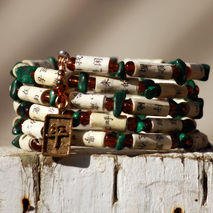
(50, 62)
(142, 106)
(92, 64)
(144, 60)
(14, 89)
(39, 112)
(31, 94)
(16, 105)
(24, 142)
(151, 141)
(87, 101)
(165, 90)
(194, 108)
(118, 99)
(94, 138)
(165, 125)
(199, 71)
(33, 128)
(102, 121)
(152, 70)
(104, 85)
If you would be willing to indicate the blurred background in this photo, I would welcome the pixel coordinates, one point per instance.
(134, 29)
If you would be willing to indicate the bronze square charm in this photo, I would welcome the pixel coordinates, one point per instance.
(57, 135)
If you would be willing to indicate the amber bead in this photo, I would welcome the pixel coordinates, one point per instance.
(188, 72)
(131, 124)
(173, 111)
(128, 140)
(73, 81)
(176, 72)
(184, 109)
(84, 118)
(127, 106)
(68, 112)
(109, 104)
(148, 125)
(113, 67)
(91, 83)
(110, 140)
(60, 89)
(141, 87)
(174, 142)
(130, 68)
(35, 145)
(45, 97)
(61, 100)
(71, 63)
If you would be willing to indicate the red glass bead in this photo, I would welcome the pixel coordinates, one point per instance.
(130, 68)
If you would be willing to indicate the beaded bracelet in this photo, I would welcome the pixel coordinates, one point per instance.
(62, 111)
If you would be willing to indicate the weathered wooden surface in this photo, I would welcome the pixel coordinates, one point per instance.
(146, 183)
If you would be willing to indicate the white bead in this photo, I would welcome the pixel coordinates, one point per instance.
(152, 70)
(173, 91)
(198, 71)
(163, 125)
(39, 112)
(31, 94)
(104, 84)
(39, 63)
(88, 101)
(15, 106)
(33, 128)
(199, 139)
(144, 60)
(92, 64)
(45, 76)
(94, 138)
(143, 106)
(24, 142)
(102, 121)
(151, 141)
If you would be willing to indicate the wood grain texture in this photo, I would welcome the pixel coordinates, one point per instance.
(149, 182)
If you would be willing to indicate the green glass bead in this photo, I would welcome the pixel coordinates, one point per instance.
(11, 71)
(121, 139)
(82, 82)
(16, 84)
(190, 83)
(140, 126)
(24, 74)
(53, 61)
(16, 130)
(140, 117)
(206, 70)
(118, 99)
(182, 77)
(53, 96)
(182, 138)
(22, 109)
(76, 118)
(15, 142)
(151, 92)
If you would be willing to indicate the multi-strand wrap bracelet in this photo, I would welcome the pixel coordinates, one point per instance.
(100, 102)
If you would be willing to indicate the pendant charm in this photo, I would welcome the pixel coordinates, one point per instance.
(57, 135)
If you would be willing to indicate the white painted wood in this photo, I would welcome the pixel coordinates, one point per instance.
(143, 181)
